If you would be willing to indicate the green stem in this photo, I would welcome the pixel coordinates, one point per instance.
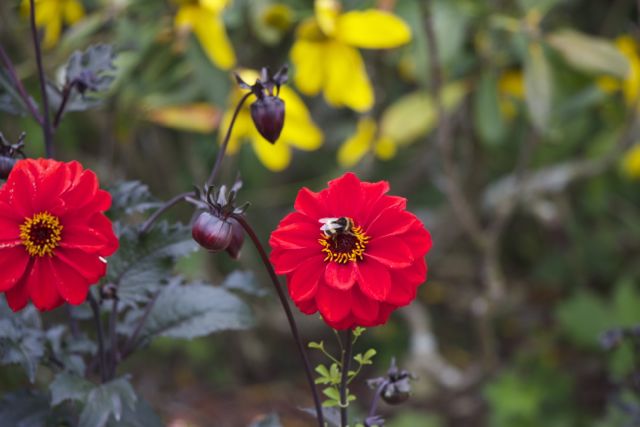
(344, 392)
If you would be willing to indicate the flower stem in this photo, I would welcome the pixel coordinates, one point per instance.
(98, 323)
(346, 364)
(19, 86)
(113, 339)
(146, 226)
(285, 305)
(66, 94)
(47, 129)
(223, 147)
(376, 399)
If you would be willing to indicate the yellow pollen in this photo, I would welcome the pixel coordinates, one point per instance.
(41, 234)
(344, 247)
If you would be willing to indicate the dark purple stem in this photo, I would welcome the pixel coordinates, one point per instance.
(19, 86)
(66, 94)
(376, 399)
(287, 309)
(146, 226)
(47, 129)
(98, 323)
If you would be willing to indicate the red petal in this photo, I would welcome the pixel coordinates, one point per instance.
(70, 283)
(345, 196)
(83, 238)
(18, 296)
(20, 188)
(390, 222)
(310, 204)
(295, 236)
(340, 276)
(374, 279)
(418, 239)
(285, 261)
(103, 225)
(303, 282)
(6, 210)
(13, 262)
(334, 304)
(308, 306)
(390, 251)
(50, 185)
(373, 208)
(83, 190)
(365, 309)
(88, 265)
(41, 285)
(9, 229)
(296, 218)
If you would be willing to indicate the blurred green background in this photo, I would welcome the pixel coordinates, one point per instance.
(528, 184)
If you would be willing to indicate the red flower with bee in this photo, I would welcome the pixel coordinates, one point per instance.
(54, 236)
(351, 252)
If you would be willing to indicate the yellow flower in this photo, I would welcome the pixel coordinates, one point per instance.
(325, 54)
(412, 116)
(51, 15)
(631, 162)
(299, 131)
(510, 92)
(204, 18)
(630, 86)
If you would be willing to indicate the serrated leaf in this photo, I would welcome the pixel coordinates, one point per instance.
(588, 53)
(21, 339)
(244, 282)
(142, 415)
(130, 197)
(97, 61)
(195, 310)
(66, 386)
(271, 420)
(105, 401)
(25, 408)
(538, 87)
(143, 262)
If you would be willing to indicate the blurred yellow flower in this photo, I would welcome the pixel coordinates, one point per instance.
(510, 92)
(409, 118)
(204, 18)
(198, 117)
(51, 15)
(631, 162)
(299, 130)
(630, 86)
(325, 54)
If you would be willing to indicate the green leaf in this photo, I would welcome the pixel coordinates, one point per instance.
(107, 400)
(538, 87)
(25, 408)
(244, 282)
(143, 263)
(66, 386)
(131, 197)
(141, 415)
(271, 420)
(488, 117)
(195, 310)
(332, 393)
(21, 339)
(588, 53)
(96, 61)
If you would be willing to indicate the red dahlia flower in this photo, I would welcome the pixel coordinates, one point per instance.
(53, 233)
(351, 252)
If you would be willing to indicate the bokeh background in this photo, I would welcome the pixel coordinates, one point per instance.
(514, 140)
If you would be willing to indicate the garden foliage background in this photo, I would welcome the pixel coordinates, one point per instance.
(528, 183)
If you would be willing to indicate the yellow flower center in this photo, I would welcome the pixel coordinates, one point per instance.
(344, 246)
(41, 234)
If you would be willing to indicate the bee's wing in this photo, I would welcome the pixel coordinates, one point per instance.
(327, 220)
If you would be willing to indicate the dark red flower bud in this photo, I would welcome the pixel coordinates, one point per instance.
(6, 164)
(211, 232)
(268, 117)
(237, 239)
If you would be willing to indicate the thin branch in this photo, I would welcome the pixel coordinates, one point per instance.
(19, 86)
(146, 226)
(98, 324)
(113, 338)
(461, 206)
(47, 129)
(287, 309)
(133, 341)
(346, 365)
(66, 95)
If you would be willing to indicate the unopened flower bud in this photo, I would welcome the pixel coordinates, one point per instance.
(211, 232)
(237, 239)
(268, 117)
(6, 164)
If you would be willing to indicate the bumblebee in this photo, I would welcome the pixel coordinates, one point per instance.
(331, 227)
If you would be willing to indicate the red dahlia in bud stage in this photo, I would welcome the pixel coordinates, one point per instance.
(211, 232)
(237, 239)
(54, 236)
(351, 252)
(267, 112)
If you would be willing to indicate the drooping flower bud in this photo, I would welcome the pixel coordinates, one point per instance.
(9, 153)
(268, 117)
(395, 387)
(211, 232)
(6, 164)
(237, 239)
